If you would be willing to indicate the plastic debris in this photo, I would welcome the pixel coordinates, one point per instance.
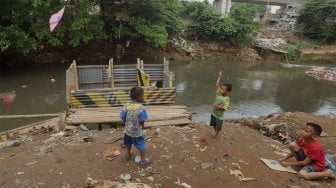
(111, 153)
(83, 127)
(7, 98)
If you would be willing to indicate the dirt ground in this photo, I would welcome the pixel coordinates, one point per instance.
(178, 154)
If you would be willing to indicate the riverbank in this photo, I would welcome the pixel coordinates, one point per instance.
(179, 154)
(99, 52)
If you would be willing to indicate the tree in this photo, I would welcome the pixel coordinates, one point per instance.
(25, 28)
(208, 23)
(243, 14)
(317, 19)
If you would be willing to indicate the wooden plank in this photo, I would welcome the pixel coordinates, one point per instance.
(28, 116)
(148, 108)
(116, 119)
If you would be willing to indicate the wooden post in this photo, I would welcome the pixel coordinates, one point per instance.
(141, 65)
(110, 73)
(166, 74)
(138, 62)
(76, 74)
(171, 79)
(62, 121)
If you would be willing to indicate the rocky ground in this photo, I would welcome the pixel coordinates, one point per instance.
(181, 156)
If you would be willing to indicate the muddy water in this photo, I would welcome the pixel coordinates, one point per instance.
(257, 89)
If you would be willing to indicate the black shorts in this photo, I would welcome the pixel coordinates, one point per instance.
(299, 155)
(215, 122)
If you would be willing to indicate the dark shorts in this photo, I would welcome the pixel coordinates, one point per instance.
(215, 122)
(138, 142)
(300, 156)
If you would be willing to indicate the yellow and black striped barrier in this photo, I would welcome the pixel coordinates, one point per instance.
(118, 97)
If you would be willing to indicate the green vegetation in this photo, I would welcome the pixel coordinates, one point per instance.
(293, 50)
(208, 23)
(318, 20)
(24, 23)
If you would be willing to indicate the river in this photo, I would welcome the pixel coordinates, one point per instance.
(258, 89)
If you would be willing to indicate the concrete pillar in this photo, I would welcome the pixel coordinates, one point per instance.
(223, 6)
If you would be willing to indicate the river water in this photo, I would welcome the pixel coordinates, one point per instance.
(258, 89)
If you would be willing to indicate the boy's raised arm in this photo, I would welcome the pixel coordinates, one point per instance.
(218, 79)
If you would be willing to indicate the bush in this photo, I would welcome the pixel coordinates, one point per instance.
(317, 20)
(208, 23)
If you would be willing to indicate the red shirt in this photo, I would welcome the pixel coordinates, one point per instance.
(314, 151)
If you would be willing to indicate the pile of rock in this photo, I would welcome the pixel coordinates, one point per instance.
(270, 44)
(321, 73)
(289, 19)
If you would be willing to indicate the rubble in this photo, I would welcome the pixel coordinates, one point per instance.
(322, 73)
(176, 160)
(270, 44)
(288, 21)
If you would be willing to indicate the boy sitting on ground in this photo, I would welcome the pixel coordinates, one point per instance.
(134, 116)
(309, 154)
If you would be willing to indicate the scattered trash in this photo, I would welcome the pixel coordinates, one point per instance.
(207, 165)
(112, 140)
(19, 173)
(203, 140)
(273, 115)
(226, 157)
(52, 80)
(271, 44)
(111, 153)
(125, 177)
(87, 138)
(83, 127)
(137, 159)
(279, 151)
(8, 98)
(236, 165)
(240, 175)
(31, 163)
(185, 185)
(13, 143)
(324, 134)
(166, 156)
(322, 73)
(203, 149)
(90, 182)
(150, 178)
(108, 183)
(24, 86)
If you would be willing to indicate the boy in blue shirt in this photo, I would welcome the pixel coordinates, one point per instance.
(134, 116)
(220, 104)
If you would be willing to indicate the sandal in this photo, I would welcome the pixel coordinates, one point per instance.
(145, 163)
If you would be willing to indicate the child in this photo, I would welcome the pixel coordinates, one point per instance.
(134, 116)
(220, 105)
(309, 154)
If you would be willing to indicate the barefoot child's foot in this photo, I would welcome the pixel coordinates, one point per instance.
(128, 156)
(331, 175)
